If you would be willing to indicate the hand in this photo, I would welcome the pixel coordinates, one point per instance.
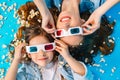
(48, 22)
(47, 19)
(62, 48)
(19, 52)
(92, 24)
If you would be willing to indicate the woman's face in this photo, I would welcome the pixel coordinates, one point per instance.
(66, 20)
(41, 58)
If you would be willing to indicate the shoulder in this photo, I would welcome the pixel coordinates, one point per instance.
(27, 70)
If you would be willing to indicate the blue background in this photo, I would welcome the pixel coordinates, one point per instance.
(105, 68)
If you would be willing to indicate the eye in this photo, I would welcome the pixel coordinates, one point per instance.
(33, 49)
(49, 47)
(74, 31)
(59, 32)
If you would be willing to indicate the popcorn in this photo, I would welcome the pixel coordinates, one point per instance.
(1, 17)
(92, 51)
(102, 60)
(102, 71)
(0, 36)
(113, 69)
(97, 65)
(4, 46)
(109, 16)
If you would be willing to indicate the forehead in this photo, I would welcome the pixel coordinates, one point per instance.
(38, 40)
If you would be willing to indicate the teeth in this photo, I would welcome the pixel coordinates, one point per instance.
(65, 19)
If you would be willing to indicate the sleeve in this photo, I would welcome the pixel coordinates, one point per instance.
(21, 73)
(69, 74)
(88, 74)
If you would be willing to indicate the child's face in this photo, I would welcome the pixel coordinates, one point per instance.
(41, 58)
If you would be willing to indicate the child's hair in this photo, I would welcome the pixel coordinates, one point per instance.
(30, 14)
(98, 41)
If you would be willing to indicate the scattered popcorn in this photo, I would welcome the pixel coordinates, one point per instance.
(39, 20)
(114, 20)
(10, 8)
(110, 40)
(102, 60)
(0, 4)
(5, 18)
(113, 69)
(94, 46)
(13, 30)
(104, 42)
(111, 50)
(101, 55)
(118, 12)
(81, 43)
(3, 57)
(92, 51)
(0, 26)
(1, 17)
(0, 36)
(4, 46)
(97, 65)
(32, 14)
(2, 72)
(102, 71)
(109, 16)
(86, 59)
(3, 6)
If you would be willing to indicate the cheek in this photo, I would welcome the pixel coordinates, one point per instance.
(32, 56)
(72, 40)
(50, 55)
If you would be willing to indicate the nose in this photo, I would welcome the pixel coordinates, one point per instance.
(41, 53)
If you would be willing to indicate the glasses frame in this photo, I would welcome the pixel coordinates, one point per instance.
(68, 33)
(40, 47)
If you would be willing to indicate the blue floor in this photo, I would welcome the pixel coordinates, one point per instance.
(106, 67)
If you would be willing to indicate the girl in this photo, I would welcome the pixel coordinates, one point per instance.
(42, 62)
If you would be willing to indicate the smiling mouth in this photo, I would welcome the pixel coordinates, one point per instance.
(65, 19)
(43, 59)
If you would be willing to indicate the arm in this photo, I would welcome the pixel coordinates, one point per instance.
(47, 19)
(75, 65)
(93, 23)
(11, 74)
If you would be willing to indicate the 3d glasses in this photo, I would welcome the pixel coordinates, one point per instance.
(44, 47)
(70, 32)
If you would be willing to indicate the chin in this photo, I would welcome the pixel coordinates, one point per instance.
(72, 41)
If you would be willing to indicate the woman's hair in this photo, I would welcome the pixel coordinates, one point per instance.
(98, 41)
(30, 14)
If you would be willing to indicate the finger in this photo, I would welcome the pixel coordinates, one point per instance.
(53, 36)
(60, 43)
(58, 49)
(86, 31)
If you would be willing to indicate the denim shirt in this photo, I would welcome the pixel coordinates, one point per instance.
(30, 71)
(85, 5)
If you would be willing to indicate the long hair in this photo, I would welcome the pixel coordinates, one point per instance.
(98, 41)
(30, 14)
